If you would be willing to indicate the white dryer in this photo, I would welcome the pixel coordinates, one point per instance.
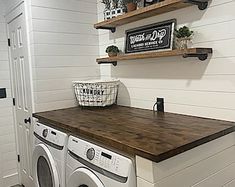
(89, 165)
(49, 154)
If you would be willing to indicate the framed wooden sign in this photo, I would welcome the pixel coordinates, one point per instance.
(152, 37)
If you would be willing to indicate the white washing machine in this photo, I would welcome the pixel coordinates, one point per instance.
(89, 165)
(49, 155)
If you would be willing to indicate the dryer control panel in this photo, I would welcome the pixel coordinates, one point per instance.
(100, 157)
(49, 134)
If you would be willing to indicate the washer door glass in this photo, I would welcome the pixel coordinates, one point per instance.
(83, 177)
(44, 173)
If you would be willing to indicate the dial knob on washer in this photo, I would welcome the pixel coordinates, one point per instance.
(44, 133)
(90, 154)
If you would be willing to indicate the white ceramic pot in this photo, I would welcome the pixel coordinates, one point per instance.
(107, 14)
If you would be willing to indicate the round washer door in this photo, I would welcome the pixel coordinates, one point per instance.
(44, 168)
(83, 177)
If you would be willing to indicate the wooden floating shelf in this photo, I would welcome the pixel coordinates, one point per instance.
(200, 53)
(149, 11)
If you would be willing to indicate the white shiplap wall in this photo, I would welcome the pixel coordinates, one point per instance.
(8, 158)
(189, 86)
(64, 46)
(11, 4)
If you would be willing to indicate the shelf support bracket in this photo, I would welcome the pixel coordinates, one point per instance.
(112, 29)
(111, 62)
(202, 4)
(201, 57)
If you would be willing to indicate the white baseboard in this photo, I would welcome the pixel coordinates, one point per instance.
(11, 180)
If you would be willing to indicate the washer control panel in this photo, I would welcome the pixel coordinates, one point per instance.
(100, 157)
(51, 135)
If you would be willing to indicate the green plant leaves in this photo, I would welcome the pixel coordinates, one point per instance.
(183, 32)
(112, 49)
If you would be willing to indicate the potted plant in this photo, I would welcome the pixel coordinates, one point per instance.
(107, 12)
(107, 4)
(131, 5)
(114, 8)
(115, 3)
(183, 37)
(112, 50)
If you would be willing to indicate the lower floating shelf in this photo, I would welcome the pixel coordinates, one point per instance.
(200, 53)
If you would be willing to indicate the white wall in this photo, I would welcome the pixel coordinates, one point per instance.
(11, 4)
(59, 32)
(189, 86)
(65, 46)
(8, 158)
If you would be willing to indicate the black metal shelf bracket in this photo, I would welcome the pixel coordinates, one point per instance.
(111, 62)
(202, 4)
(112, 29)
(201, 57)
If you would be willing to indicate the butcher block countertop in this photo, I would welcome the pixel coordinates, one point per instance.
(156, 137)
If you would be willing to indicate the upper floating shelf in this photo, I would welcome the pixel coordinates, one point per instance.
(200, 53)
(149, 11)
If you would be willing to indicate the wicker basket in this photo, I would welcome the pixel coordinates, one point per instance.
(96, 92)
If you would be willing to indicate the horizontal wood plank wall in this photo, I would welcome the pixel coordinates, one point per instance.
(209, 165)
(8, 156)
(64, 45)
(11, 4)
(189, 86)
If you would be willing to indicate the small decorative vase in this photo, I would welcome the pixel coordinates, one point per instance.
(113, 13)
(112, 54)
(131, 7)
(182, 43)
(119, 11)
(107, 14)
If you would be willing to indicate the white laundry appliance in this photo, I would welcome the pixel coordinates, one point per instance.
(49, 155)
(89, 165)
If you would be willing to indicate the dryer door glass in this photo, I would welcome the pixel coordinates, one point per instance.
(44, 173)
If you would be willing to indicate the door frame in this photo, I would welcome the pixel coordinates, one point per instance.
(18, 10)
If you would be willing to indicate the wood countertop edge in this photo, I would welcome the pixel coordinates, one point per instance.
(187, 147)
(126, 149)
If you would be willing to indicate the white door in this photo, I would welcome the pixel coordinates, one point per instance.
(20, 69)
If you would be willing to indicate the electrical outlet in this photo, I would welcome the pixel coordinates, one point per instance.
(3, 93)
(160, 104)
